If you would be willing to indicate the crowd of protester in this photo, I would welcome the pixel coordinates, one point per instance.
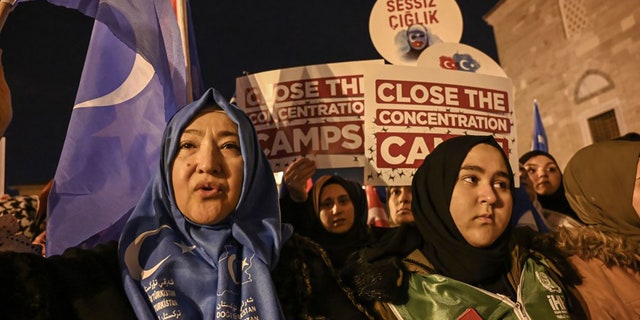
(214, 236)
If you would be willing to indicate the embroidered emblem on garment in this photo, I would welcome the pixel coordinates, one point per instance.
(547, 283)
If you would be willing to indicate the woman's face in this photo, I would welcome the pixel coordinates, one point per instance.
(208, 168)
(481, 201)
(336, 209)
(636, 190)
(399, 201)
(544, 174)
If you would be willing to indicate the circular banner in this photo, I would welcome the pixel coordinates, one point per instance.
(401, 29)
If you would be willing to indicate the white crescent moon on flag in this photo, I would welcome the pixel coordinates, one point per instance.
(232, 272)
(466, 65)
(131, 256)
(449, 65)
(141, 74)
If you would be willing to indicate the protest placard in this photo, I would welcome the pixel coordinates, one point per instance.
(411, 110)
(312, 111)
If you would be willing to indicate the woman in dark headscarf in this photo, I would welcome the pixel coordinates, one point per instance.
(464, 258)
(546, 177)
(600, 181)
(330, 223)
(202, 240)
(338, 224)
(399, 204)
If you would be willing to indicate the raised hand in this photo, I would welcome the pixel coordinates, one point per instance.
(296, 176)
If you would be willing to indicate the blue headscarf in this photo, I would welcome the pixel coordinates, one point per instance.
(175, 268)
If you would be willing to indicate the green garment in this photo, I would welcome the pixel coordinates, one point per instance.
(437, 297)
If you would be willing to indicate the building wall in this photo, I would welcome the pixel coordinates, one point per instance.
(546, 63)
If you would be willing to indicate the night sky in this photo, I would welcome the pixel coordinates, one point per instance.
(44, 47)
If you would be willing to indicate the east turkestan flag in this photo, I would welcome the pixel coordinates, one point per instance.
(141, 66)
(539, 135)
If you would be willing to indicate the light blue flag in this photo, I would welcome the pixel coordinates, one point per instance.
(539, 135)
(134, 79)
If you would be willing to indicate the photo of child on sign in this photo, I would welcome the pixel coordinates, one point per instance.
(401, 30)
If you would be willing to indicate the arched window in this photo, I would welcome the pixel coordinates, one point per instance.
(591, 84)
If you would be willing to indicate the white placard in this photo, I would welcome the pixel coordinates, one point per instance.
(312, 111)
(411, 110)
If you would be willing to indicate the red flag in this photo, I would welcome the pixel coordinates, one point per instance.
(377, 214)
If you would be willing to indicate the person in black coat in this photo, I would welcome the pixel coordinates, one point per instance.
(79, 284)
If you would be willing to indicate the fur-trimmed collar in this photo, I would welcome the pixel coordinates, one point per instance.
(589, 242)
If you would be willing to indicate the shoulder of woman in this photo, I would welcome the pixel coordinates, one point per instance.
(589, 242)
(103, 257)
(301, 248)
(385, 279)
(543, 247)
(27, 286)
(304, 275)
(417, 262)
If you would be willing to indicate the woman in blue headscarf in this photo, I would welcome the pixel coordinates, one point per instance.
(206, 232)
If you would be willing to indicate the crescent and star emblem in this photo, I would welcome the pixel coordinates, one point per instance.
(131, 256)
(141, 74)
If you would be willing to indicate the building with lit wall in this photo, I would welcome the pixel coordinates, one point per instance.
(580, 59)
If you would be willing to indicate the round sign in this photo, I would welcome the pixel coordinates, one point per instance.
(401, 29)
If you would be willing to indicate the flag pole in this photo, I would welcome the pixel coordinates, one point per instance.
(183, 26)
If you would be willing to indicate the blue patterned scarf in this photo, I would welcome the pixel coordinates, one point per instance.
(176, 269)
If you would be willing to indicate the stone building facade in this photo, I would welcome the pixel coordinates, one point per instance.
(580, 59)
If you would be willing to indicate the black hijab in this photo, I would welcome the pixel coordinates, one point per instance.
(556, 201)
(443, 244)
(339, 245)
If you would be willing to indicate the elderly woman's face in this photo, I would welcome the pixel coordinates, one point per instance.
(208, 168)
(544, 173)
(481, 201)
(337, 213)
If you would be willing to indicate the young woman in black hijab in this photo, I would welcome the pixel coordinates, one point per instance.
(461, 258)
(546, 176)
(330, 223)
(309, 221)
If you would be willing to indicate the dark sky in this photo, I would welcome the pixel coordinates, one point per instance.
(44, 48)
